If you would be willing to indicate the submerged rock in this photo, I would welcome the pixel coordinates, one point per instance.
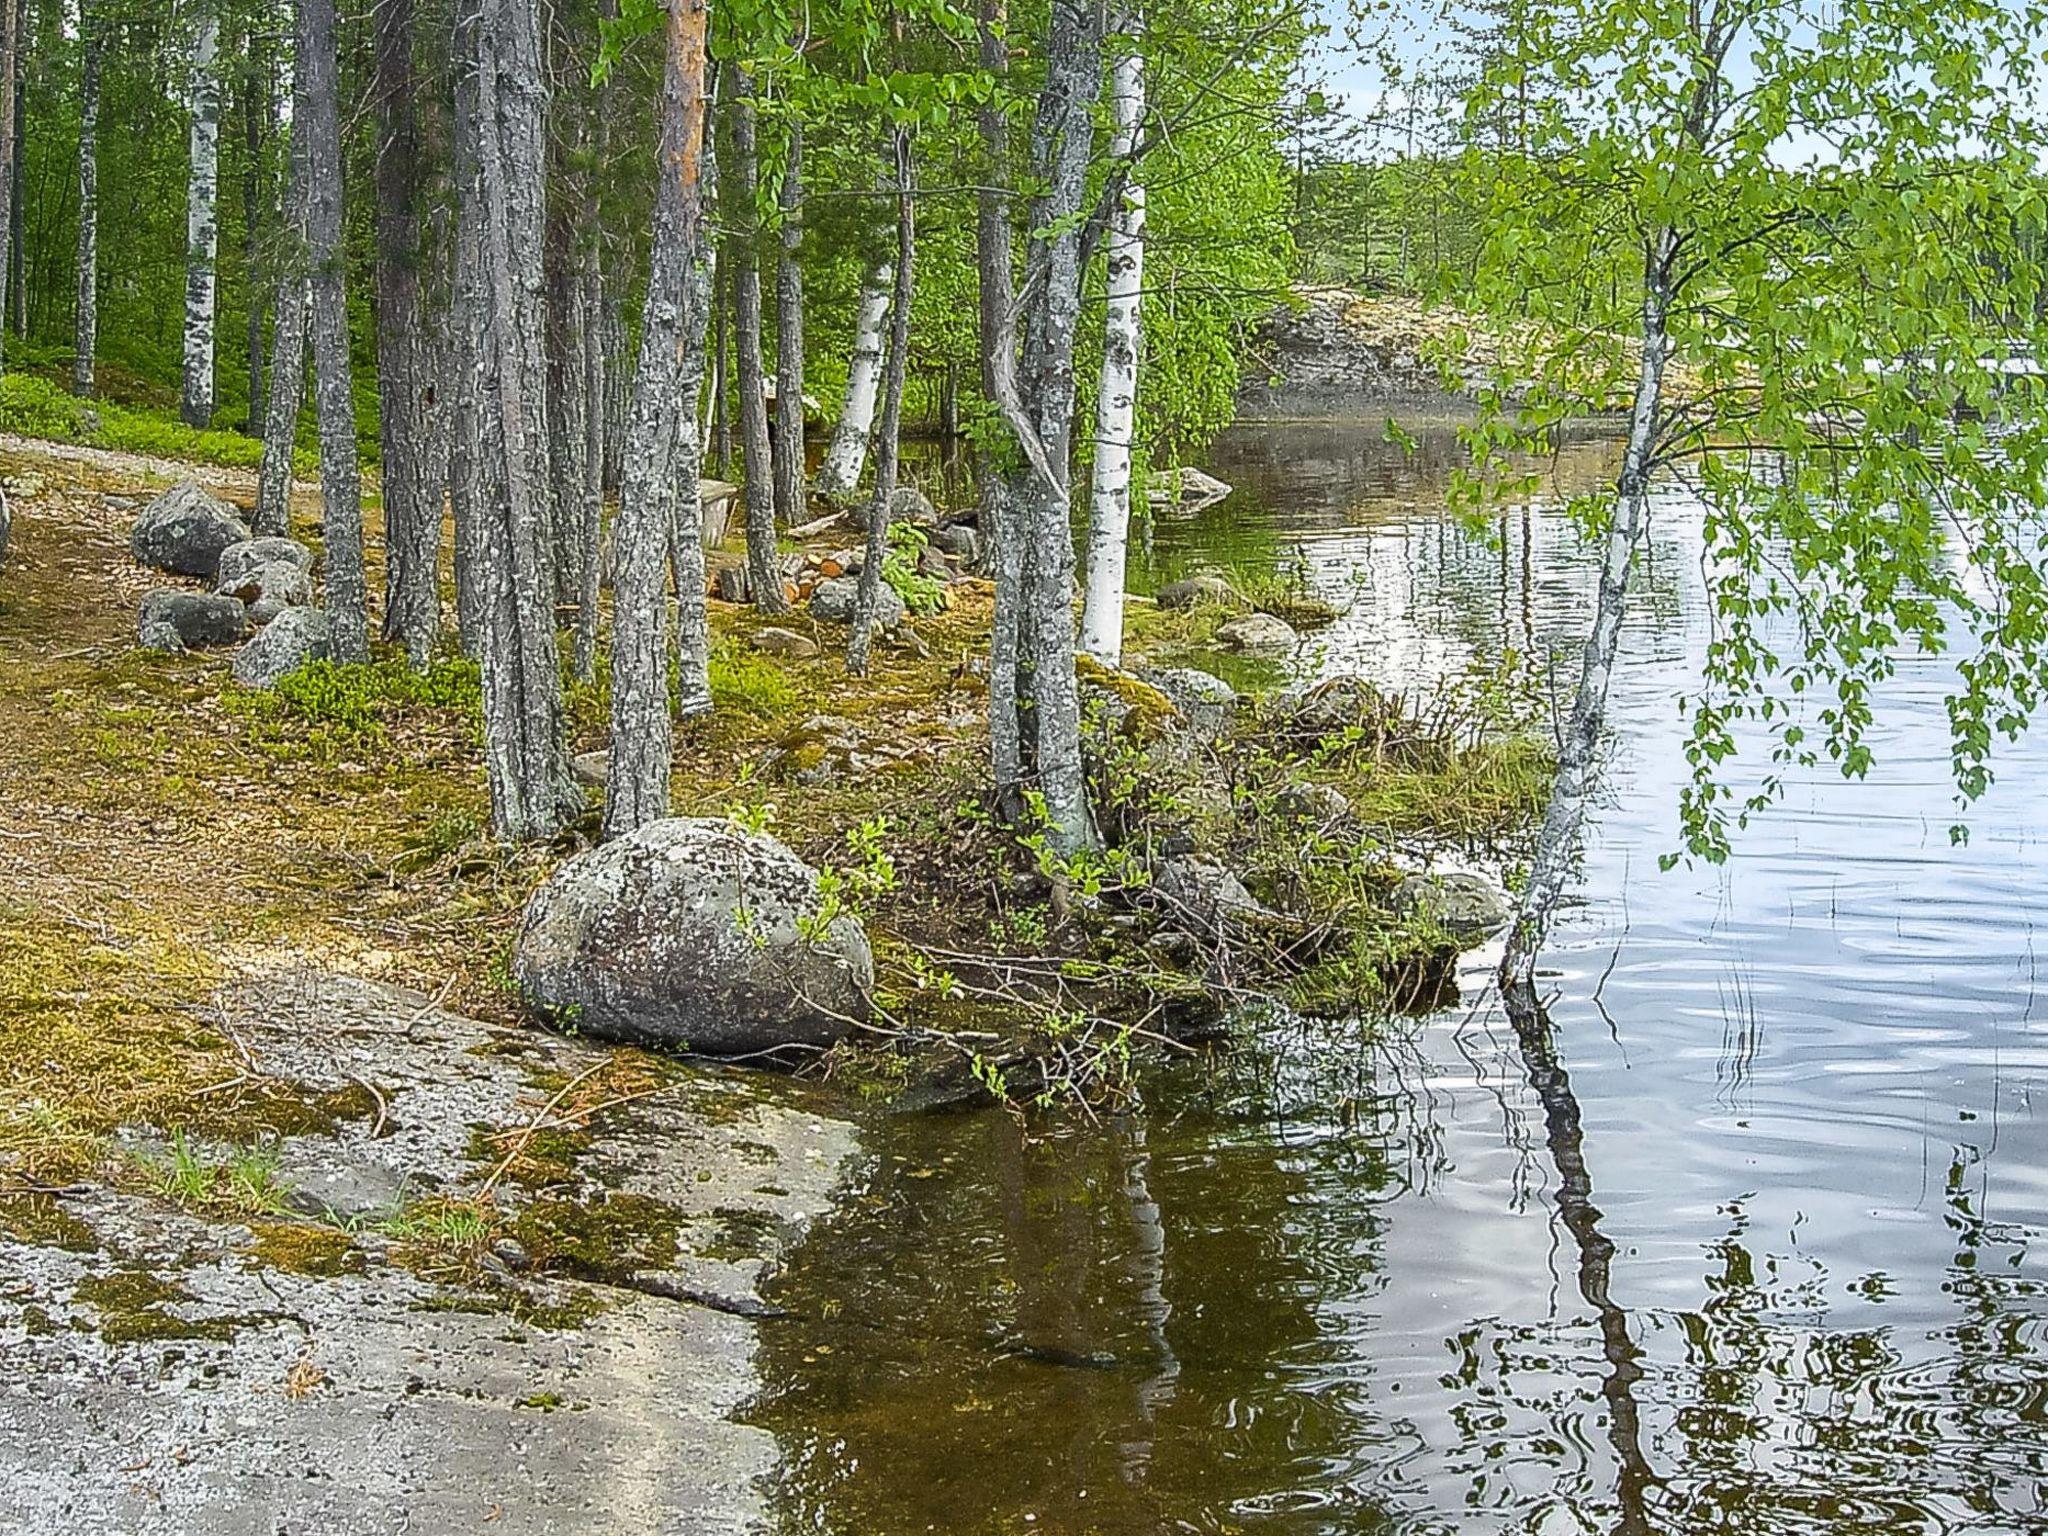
(1257, 634)
(1468, 908)
(694, 934)
(186, 530)
(295, 637)
(1185, 486)
(173, 620)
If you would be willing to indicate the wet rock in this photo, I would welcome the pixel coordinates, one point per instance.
(1202, 896)
(1468, 908)
(186, 530)
(1196, 592)
(1184, 487)
(786, 643)
(1258, 634)
(691, 933)
(270, 589)
(834, 601)
(173, 620)
(592, 768)
(289, 641)
(1205, 701)
(239, 560)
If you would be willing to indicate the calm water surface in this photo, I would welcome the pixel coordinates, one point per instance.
(1745, 1245)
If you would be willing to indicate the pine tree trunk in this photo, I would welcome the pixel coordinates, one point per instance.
(88, 313)
(686, 531)
(721, 361)
(846, 455)
(405, 377)
(202, 220)
(590, 500)
(341, 494)
(764, 572)
(1577, 758)
(1109, 524)
(869, 591)
(532, 793)
(660, 417)
(10, 57)
(789, 340)
(288, 339)
(466, 357)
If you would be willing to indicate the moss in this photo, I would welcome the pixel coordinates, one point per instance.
(739, 1235)
(546, 1402)
(1148, 713)
(572, 1308)
(605, 1239)
(40, 1220)
(306, 1248)
(132, 1306)
(36, 1322)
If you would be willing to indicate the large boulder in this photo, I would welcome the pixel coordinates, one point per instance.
(239, 561)
(1467, 909)
(1205, 701)
(1199, 895)
(960, 540)
(694, 934)
(295, 637)
(1257, 634)
(270, 589)
(186, 530)
(175, 620)
(834, 599)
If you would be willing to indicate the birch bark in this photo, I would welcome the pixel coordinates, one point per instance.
(869, 590)
(1109, 524)
(86, 338)
(202, 219)
(847, 454)
(789, 339)
(662, 416)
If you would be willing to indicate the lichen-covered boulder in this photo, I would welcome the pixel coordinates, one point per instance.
(1468, 909)
(1205, 701)
(1186, 486)
(834, 599)
(240, 561)
(693, 934)
(174, 620)
(270, 589)
(290, 640)
(186, 530)
(1257, 634)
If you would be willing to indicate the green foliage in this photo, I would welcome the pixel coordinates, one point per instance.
(243, 1180)
(32, 406)
(920, 593)
(746, 682)
(327, 709)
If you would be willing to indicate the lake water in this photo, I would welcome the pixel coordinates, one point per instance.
(1744, 1244)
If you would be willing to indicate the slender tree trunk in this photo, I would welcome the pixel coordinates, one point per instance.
(10, 57)
(1039, 406)
(870, 587)
(789, 340)
(686, 533)
(846, 455)
(465, 486)
(589, 298)
(88, 314)
(1109, 527)
(1577, 758)
(994, 239)
(764, 566)
(721, 361)
(288, 338)
(202, 219)
(661, 415)
(259, 110)
(341, 492)
(412, 497)
(533, 795)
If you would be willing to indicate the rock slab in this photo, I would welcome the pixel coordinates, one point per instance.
(186, 530)
(693, 934)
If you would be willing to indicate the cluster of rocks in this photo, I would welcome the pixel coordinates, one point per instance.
(264, 583)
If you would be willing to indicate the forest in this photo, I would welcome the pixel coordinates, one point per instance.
(874, 768)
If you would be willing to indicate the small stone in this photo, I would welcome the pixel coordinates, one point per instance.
(270, 589)
(1257, 634)
(172, 620)
(240, 560)
(834, 602)
(785, 643)
(960, 541)
(510, 1252)
(592, 768)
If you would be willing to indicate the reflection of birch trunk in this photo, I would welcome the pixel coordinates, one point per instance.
(1564, 1131)
(847, 453)
(1558, 842)
(1148, 1269)
(1109, 526)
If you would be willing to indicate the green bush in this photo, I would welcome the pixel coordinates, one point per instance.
(748, 683)
(32, 406)
(334, 703)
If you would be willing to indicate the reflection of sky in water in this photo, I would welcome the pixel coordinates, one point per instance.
(1334, 1282)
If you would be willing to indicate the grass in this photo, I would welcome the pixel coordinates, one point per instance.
(238, 1181)
(31, 406)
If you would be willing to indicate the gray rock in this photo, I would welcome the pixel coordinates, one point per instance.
(961, 541)
(1185, 486)
(173, 620)
(270, 589)
(186, 530)
(732, 585)
(1468, 908)
(834, 599)
(910, 505)
(1208, 703)
(931, 561)
(686, 933)
(1309, 801)
(1257, 634)
(1197, 591)
(786, 643)
(239, 561)
(295, 637)
(1202, 896)
(592, 768)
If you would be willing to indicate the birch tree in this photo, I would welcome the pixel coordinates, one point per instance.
(334, 404)
(87, 326)
(1816, 349)
(1116, 401)
(202, 218)
(656, 503)
(846, 455)
(869, 591)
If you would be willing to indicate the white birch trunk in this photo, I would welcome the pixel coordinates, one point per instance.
(847, 454)
(202, 221)
(1577, 758)
(88, 327)
(1109, 526)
